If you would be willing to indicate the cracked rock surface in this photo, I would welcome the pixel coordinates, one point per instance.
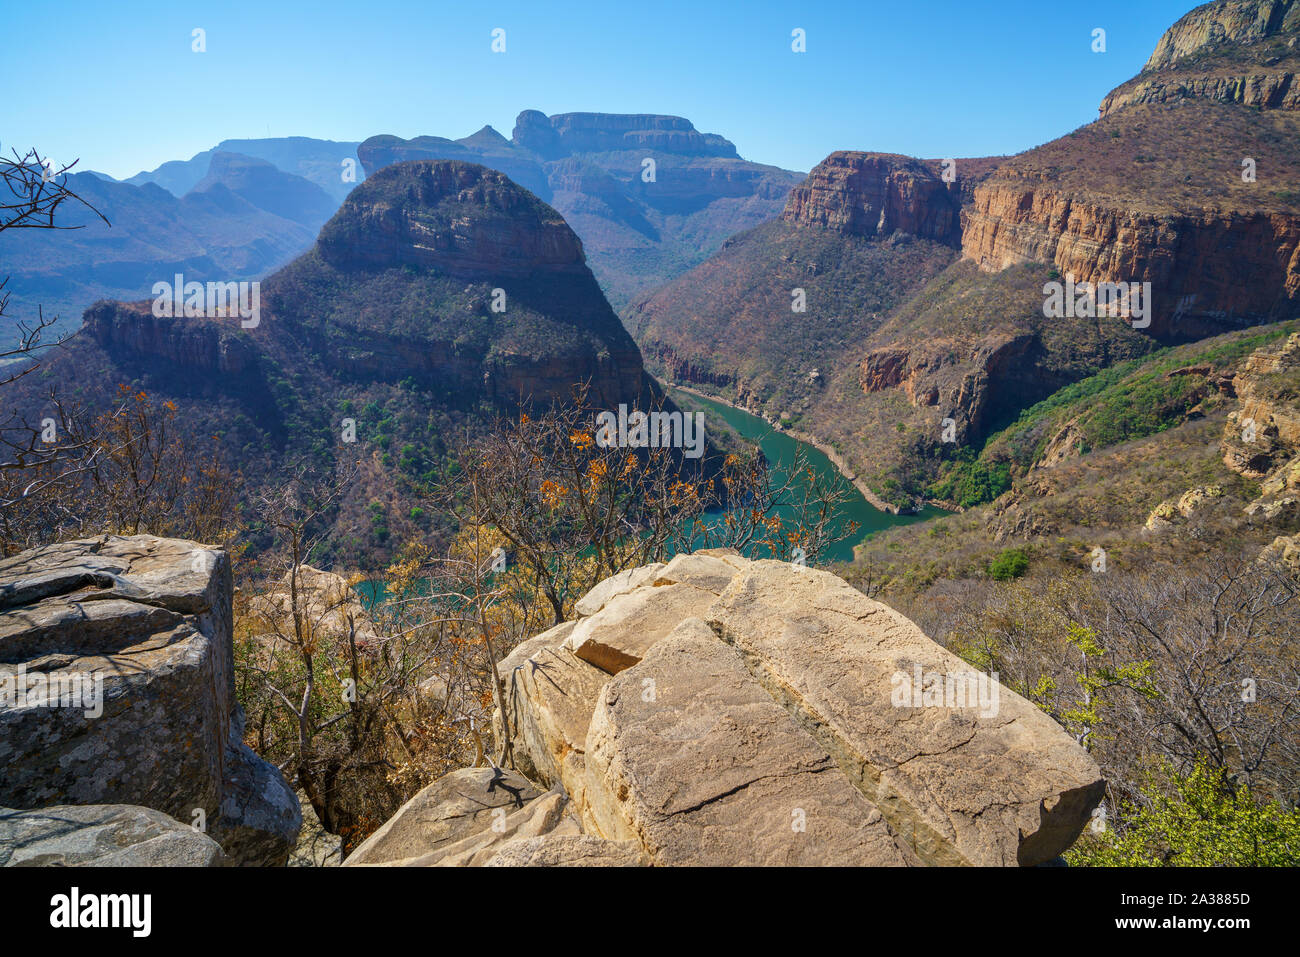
(121, 646)
(718, 711)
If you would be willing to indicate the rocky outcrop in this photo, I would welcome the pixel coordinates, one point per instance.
(206, 348)
(791, 721)
(1016, 220)
(1274, 90)
(116, 660)
(1224, 21)
(458, 805)
(957, 378)
(875, 194)
(102, 835)
(1262, 437)
(1261, 440)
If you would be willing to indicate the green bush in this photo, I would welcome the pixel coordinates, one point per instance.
(1199, 820)
(1010, 563)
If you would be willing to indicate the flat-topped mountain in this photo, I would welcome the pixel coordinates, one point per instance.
(439, 296)
(649, 195)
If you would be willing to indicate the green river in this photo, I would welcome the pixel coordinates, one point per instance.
(781, 450)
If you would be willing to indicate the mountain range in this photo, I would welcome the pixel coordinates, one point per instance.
(440, 296)
(926, 328)
(650, 195)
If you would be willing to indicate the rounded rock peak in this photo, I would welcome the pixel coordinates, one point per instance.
(448, 216)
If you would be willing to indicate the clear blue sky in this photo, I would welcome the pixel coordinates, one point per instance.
(117, 84)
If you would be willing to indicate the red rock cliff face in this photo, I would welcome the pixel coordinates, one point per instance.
(869, 194)
(1219, 255)
(1208, 269)
(1235, 51)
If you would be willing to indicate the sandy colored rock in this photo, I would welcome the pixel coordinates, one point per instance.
(102, 835)
(327, 603)
(958, 783)
(549, 814)
(629, 624)
(550, 695)
(456, 806)
(728, 555)
(620, 584)
(703, 571)
(567, 850)
(688, 755)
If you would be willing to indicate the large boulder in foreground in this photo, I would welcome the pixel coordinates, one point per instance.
(117, 687)
(791, 720)
(456, 806)
(966, 770)
(99, 835)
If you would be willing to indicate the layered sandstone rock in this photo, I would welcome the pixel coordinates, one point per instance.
(116, 657)
(875, 194)
(1014, 219)
(769, 728)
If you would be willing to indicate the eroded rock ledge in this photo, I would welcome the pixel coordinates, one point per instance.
(138, 630)
(718, 711)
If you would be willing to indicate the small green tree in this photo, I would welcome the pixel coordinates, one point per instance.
(1010, 563)
(1198, 820)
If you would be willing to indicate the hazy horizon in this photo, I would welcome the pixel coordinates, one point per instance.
(974, 83)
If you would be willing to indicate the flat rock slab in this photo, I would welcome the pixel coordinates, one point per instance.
(691, 758)
(549, 814)
(567, 850)
(710, 572)
(102, 835)
(970, 783)
(456, 806)
(619, 634)
(613, 586)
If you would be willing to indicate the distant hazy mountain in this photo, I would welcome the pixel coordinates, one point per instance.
(387, 320)
(320, 161)
(650, 196)
(241, 219)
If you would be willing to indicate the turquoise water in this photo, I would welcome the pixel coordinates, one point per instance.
(781, 450)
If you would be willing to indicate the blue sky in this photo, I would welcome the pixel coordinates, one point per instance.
(117, 84)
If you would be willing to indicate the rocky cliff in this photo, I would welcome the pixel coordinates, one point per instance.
(1238, 51)
(116, 662)
(720, 712)
(875, 194)
(440, 295)
(1186, 181)
(640, 223)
